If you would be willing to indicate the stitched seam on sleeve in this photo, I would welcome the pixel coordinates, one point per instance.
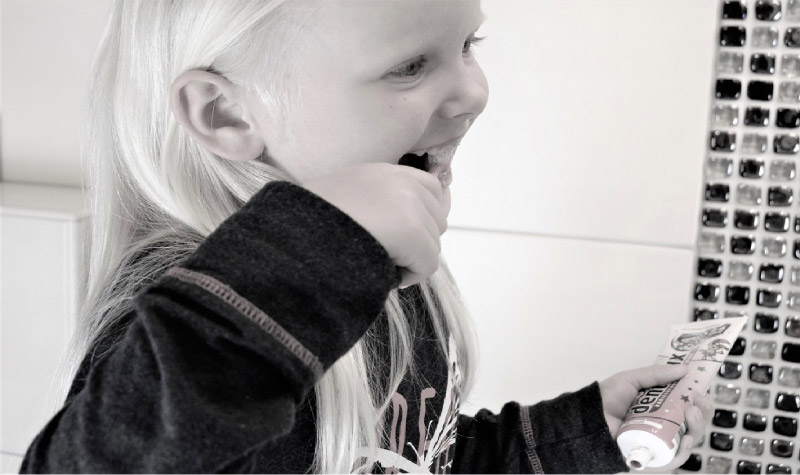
(530, 442)
(249, 310)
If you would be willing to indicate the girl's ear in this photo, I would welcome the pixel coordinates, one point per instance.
(213, 111)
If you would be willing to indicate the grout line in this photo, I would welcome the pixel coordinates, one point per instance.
(5, 452)
(688, 247)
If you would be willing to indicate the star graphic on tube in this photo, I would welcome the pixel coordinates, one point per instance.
(684, 399)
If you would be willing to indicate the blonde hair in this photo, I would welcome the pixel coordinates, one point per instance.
(155, 194)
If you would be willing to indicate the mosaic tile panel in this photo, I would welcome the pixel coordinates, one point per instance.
(749, 240)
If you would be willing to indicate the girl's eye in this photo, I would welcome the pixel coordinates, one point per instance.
(470, 42)
(410, 70)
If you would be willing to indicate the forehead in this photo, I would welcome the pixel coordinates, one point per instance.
(381, 26)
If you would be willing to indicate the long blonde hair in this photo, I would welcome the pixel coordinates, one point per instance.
(155, 193)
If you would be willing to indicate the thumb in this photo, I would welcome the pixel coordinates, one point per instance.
(656, 375)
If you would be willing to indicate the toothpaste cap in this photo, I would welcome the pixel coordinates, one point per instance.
(639, 457)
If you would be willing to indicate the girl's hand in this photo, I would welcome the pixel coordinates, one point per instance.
(405, 209)
(619, 391)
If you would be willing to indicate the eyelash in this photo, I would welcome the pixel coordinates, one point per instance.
(415, 67)
(472, 41)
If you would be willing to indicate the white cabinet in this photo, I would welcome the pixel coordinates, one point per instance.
(43, 232)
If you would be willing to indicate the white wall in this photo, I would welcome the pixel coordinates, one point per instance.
(47, 50)
(576, 194)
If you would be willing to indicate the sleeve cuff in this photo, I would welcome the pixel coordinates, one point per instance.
(569, 434)
(303, 262)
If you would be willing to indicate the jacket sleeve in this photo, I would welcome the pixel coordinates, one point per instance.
(222, 349)
(567, 434)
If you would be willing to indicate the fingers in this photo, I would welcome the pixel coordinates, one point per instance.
(684, 452)
(417, 270)
(655, 375)
(697, 417)
(703, 402)
(436, 209)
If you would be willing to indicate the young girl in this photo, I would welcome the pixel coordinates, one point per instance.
(266, 292)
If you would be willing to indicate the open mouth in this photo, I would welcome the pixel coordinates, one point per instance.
(436, 161)
(420, 162)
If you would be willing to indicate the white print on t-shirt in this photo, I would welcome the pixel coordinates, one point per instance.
(434, 450)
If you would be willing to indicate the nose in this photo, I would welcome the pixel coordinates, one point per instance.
(467, 92)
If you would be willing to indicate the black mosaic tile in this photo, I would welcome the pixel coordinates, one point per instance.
(756, 117)
(715, 218)
(772, 273)
(737, 36)
(765, 323)
(734, 10)
(693, 464)
(768, 298)
(781, 448)
(788, 402)
(746, 466)
(761, 374)
(792, 327)
(743, 219)
(738, 346)
(723, 141)
(709, 267)
(784, 426)
(724, 418)
(791, 38)
(729, 89)
(730, 370)
(768, 10)
(755, 422)
(743, 244)
(797, 248)
(737, 294)
(778, 468)
(718, 192)
(787, 118)
(776, 222)
(791, 352)
(751, 168)
(779, 196)
(760, 90)
(720, 441)
(786, 144)
(706, 292)
(705, 314)
(762, 63)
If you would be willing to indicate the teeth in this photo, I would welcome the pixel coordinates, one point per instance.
(442, 155)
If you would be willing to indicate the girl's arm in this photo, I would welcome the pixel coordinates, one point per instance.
(222, 349)
(568, 434)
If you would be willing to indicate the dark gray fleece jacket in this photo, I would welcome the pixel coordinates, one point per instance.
(213, 370)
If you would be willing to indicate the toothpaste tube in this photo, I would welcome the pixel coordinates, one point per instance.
(651, 433)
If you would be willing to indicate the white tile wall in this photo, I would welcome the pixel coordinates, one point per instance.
(553, 315)
(596, 121)
(48, 46)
